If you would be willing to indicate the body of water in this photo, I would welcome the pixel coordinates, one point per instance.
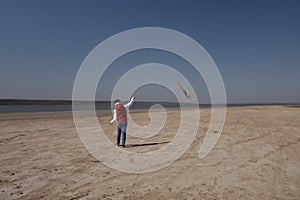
(48, 108)
(106, 106)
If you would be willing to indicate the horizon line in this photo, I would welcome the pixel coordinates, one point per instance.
(205, 103)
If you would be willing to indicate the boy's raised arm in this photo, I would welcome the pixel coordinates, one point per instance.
(130, 102)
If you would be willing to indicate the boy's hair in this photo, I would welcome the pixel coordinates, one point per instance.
(117, 101)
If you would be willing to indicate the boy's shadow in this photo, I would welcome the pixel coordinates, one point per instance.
(145, 144)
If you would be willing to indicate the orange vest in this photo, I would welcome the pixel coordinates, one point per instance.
(121, 113)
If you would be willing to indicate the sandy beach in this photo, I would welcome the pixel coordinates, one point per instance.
(256, 157)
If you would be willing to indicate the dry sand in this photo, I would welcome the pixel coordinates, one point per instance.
(256, 157)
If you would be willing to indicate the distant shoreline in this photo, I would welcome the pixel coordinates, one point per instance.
(6, 102)
(30, 106)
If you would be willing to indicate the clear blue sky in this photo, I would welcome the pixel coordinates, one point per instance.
(255, 44)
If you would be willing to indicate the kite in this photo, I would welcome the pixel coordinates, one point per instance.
(185, 92)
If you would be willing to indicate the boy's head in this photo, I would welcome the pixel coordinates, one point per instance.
(117, 101)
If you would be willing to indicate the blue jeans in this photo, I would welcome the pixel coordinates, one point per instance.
(121, 129)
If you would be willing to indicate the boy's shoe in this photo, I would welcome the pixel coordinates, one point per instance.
(123, 145)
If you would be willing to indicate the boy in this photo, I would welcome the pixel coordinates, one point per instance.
(120, 115)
